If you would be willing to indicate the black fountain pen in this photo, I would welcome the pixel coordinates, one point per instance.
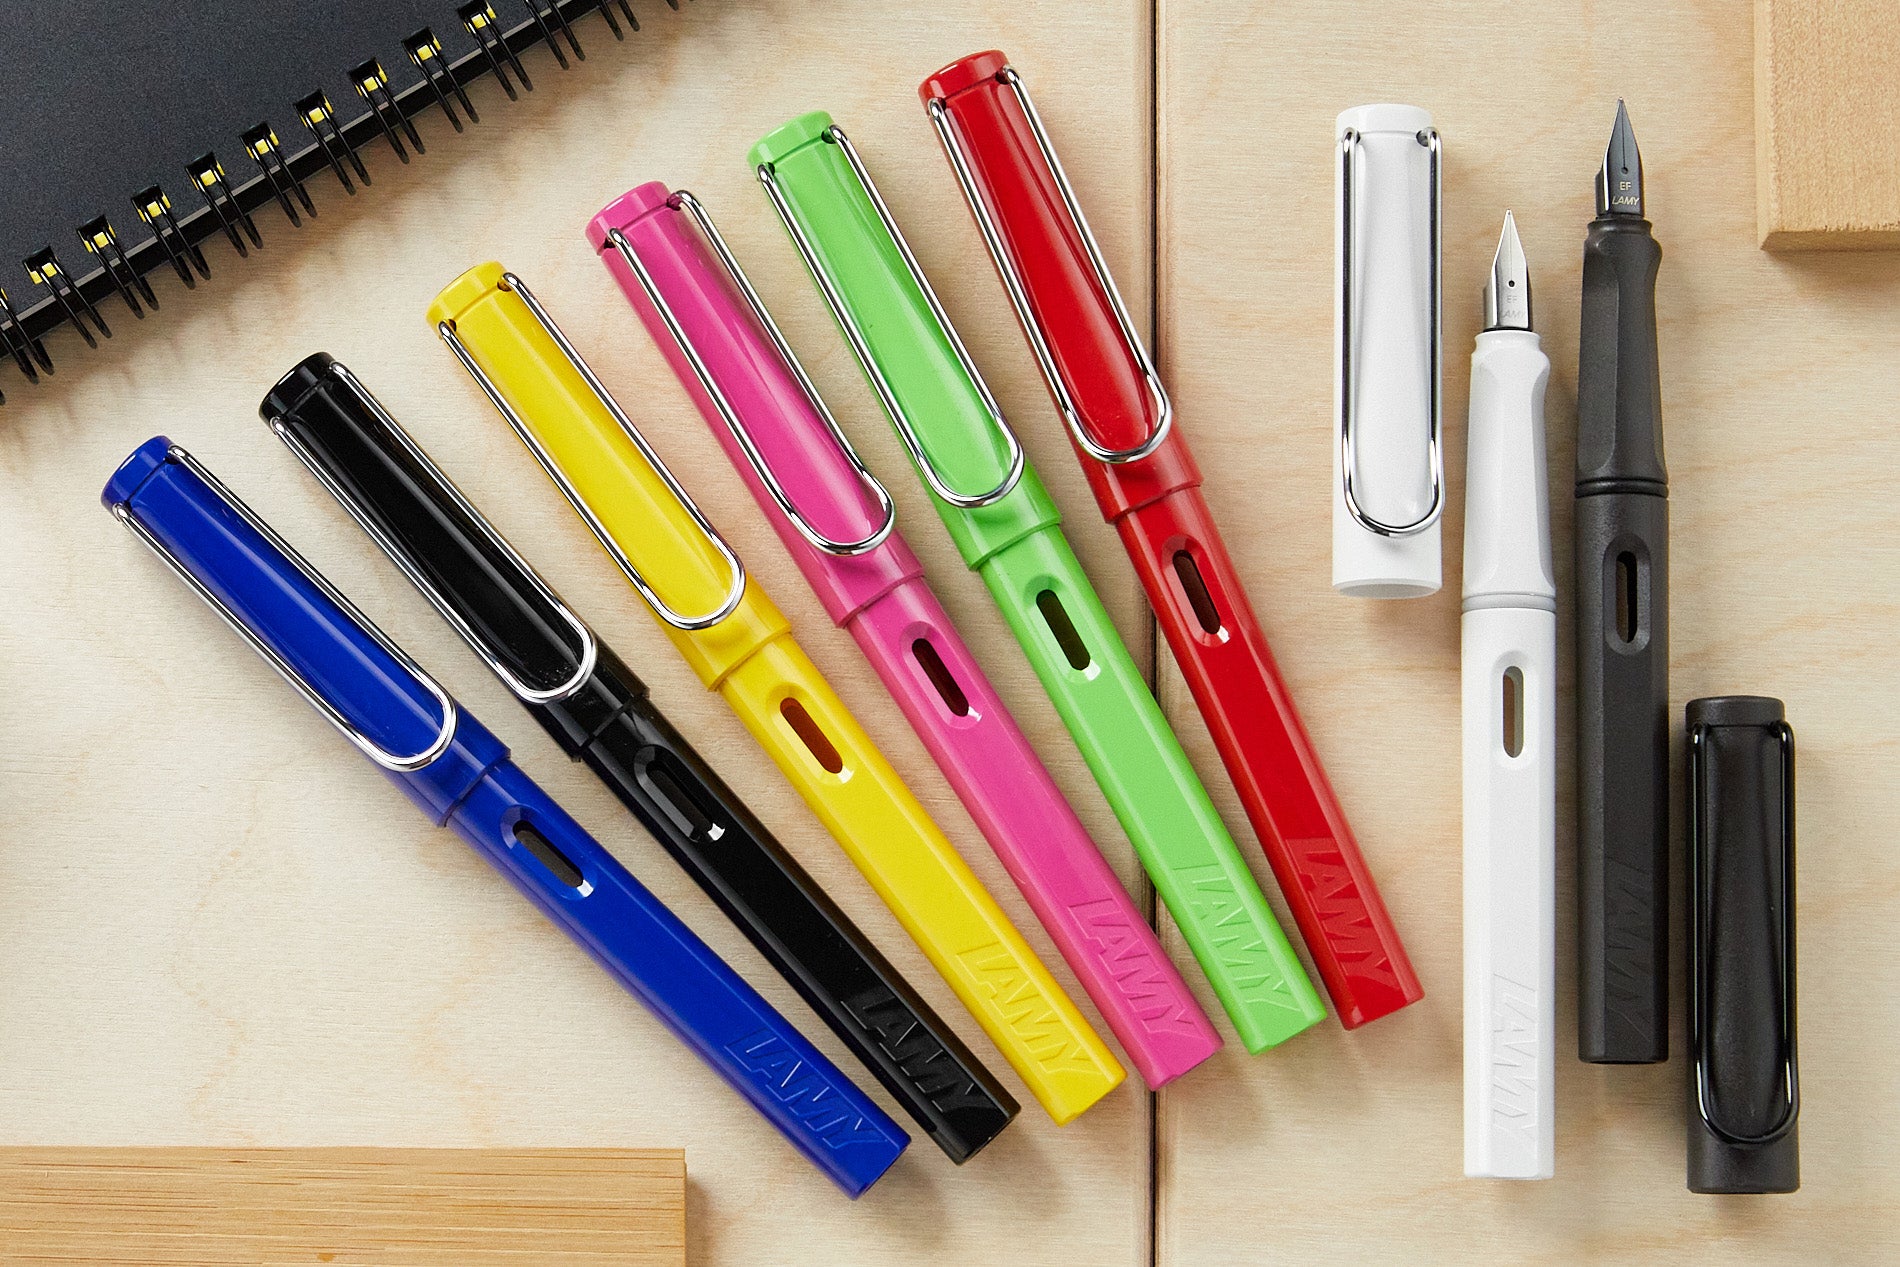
(1622, 578)
(598, 711)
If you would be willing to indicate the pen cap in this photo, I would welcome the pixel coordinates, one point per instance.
(1388, 474)
(593, 454)
(1093, 360)
(502, 609)
(985, 491)
(761, 408)
(380, 699)
(1744, 1093)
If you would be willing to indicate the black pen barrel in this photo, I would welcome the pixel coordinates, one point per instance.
(1622, 593)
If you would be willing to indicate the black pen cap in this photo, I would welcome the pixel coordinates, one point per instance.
(1744, 1094)
(511, 618)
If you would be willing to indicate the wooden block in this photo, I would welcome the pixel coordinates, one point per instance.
(344, 1206)
(1827, 124)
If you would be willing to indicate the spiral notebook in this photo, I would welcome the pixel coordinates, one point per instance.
(146, 135)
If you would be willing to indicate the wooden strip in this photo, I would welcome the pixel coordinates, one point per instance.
(1827, 124)
(388, 1206)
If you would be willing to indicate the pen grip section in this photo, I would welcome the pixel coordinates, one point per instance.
(1623, 777)
(1230, 671)
(1510, 864)
(1158, 799)
(633, 936)
(800, 721)
(800, 930)
(1619, 379)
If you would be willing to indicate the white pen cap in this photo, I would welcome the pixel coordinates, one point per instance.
(1388, 472)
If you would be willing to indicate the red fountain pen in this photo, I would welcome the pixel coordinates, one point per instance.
(1119, 419)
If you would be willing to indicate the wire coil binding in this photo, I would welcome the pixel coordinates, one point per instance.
(229, 204)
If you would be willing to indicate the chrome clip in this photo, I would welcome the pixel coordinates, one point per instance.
(681, 200)
(940, 117)
(511, 283)
(1349, 457)
(589, 646)
(400, 763)
(908, 434)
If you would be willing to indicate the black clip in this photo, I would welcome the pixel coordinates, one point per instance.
(613, 23)
(261, 143)
(372, 85)
(28, 352)
(320, 117)
(1746, 1095)
(99, 238)
(207, 174)
(482, 23)
(43, 267)
(548, 28)
(425, 50)
(156, 210)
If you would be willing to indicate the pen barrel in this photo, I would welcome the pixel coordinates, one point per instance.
(1230, 672)
(1156, 795)
(1510, 891)
(1622, 581)
(640, 943)
(800, 930)
(1619, 384)
(799, 720)
(1078, 898)
(1744, 1100)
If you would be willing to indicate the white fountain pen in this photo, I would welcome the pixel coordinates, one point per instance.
(1510, 702)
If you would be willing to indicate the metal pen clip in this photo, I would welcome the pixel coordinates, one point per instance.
(940, 118)
(513, 284)
(589, 646)
(398, 762)
(1349, 458)
(907, 433)
(681, 200)
(1707, 1103)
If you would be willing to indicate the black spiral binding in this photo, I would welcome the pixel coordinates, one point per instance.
(281, 177)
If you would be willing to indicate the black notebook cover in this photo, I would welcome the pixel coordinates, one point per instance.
(104, 101)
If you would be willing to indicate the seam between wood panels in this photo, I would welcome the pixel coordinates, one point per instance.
(1154, 629)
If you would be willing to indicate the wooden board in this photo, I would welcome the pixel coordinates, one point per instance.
(1827, 124)
(1779, 377)
(422, 1207)
(220, 926)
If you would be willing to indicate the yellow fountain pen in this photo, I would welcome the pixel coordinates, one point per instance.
(742, 647)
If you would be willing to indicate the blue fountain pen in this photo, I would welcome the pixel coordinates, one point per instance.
(459, 774)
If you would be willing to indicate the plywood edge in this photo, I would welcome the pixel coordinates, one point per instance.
(1827, 148)
(396, 1206)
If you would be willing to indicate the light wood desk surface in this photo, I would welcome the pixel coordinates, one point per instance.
(217, 926)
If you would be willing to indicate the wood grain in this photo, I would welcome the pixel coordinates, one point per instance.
(220, 926)
(392, 1207)
(1827, 124)
(1779, 382)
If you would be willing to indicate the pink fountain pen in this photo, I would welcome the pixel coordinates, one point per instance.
(838, 522)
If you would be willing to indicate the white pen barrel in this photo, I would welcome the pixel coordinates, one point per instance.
(1510, 775)
(1510, 767)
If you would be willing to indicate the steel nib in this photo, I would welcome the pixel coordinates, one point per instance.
(1620, 180)
(1507, 291)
